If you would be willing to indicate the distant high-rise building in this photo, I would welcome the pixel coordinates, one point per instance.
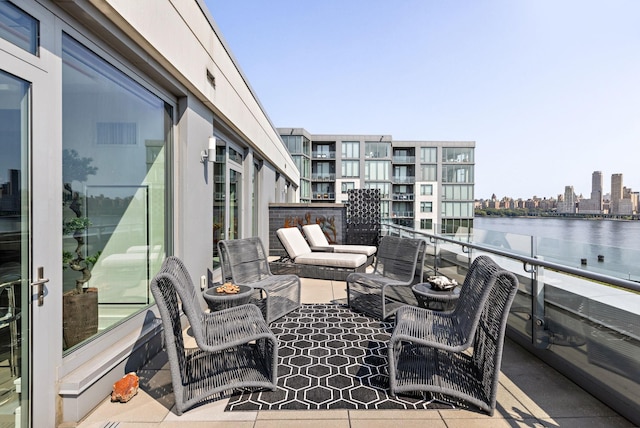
(568, 204)
(616, 193)
(596, 189)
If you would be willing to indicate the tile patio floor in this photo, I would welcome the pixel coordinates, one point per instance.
(531, 394)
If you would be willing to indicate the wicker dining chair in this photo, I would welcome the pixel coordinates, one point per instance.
(244, 262)
(235, 348)
(468, 376)
(399, 264)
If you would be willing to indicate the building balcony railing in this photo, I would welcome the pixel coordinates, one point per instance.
(403, 180)
(404, 159)
(323, 196)
(403, 196)
(584, 323)
(323, 177)
(402, 214)
(323, 155)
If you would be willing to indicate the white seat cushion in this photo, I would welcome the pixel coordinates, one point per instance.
(316, 238)
(301, 253)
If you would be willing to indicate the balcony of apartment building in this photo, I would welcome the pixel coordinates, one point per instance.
(322, 154)
(404, 155)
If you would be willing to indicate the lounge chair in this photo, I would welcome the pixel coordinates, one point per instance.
(235, 348)
(399, 265)
(245, 262)
(421, 359)
(318, 242)
(317, 264)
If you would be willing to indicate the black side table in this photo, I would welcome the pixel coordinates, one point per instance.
(217, 301)
(437, 300)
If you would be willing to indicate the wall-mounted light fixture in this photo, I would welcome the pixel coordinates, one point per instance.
(210, 153)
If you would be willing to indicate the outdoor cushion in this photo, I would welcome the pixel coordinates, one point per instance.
(317, 239)
(300, 252)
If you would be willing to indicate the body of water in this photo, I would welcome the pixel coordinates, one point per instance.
(569, 240)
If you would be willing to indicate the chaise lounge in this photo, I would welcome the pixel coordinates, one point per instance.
(318, 242)
(315, 264)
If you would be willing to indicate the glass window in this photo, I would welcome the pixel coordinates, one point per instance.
(428, 154)
(18, 27)
(374, 149)
(457, 209)
(351, 168)
(115, 213)
(351, 149)
(457, 154)
(383, 187)
(347, 185)
(426, 189)
(426, 207)
(428, 173)
(376, 170)
(458, 192)
(457, 174)
(426, 224)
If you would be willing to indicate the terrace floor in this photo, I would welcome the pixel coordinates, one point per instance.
(531, 394)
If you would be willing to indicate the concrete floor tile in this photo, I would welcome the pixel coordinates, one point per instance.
(493, 423)
(405, 423)
(141, 408)
(302, 414)
(388, 415)
(308, 423)
(588, 422)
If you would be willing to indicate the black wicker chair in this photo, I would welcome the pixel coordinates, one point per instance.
(420, 361)
(235, 349)
(399, 264)
(244, 262)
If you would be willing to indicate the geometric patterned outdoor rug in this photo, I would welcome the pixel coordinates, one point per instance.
(330, 358)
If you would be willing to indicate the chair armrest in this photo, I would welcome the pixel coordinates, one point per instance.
(322, 249)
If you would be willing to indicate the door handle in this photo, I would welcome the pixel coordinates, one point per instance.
(39, 282)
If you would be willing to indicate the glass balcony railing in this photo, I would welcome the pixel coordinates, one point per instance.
(584, 321)
(323, 176)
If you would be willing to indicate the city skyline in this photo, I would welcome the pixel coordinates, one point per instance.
(584, 194)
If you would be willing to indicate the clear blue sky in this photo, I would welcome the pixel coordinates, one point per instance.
(548, 89)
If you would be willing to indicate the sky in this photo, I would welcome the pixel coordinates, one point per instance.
(548, 89)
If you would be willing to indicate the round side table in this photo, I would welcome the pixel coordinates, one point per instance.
(217, 301)
(433, 299)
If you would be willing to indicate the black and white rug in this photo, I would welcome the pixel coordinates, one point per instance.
(329, 358)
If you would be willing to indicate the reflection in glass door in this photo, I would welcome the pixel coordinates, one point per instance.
(14, 244)
(235, 198)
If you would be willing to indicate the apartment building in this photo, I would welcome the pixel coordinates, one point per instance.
(427, 185)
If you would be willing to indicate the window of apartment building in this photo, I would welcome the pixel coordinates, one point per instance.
(457, 209)
(426, 189)
(428, 154)
(459, 192)
(304, 165)
(347, 185)
(426, 207)
(377, 170)
(428, 173)
(426, 224)
(451, 225)
(457, 154)
(457, 174)
(375, 149)
(350, 168)
(19, 28)
(115, 137)
(350, 149)
(383, 187)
